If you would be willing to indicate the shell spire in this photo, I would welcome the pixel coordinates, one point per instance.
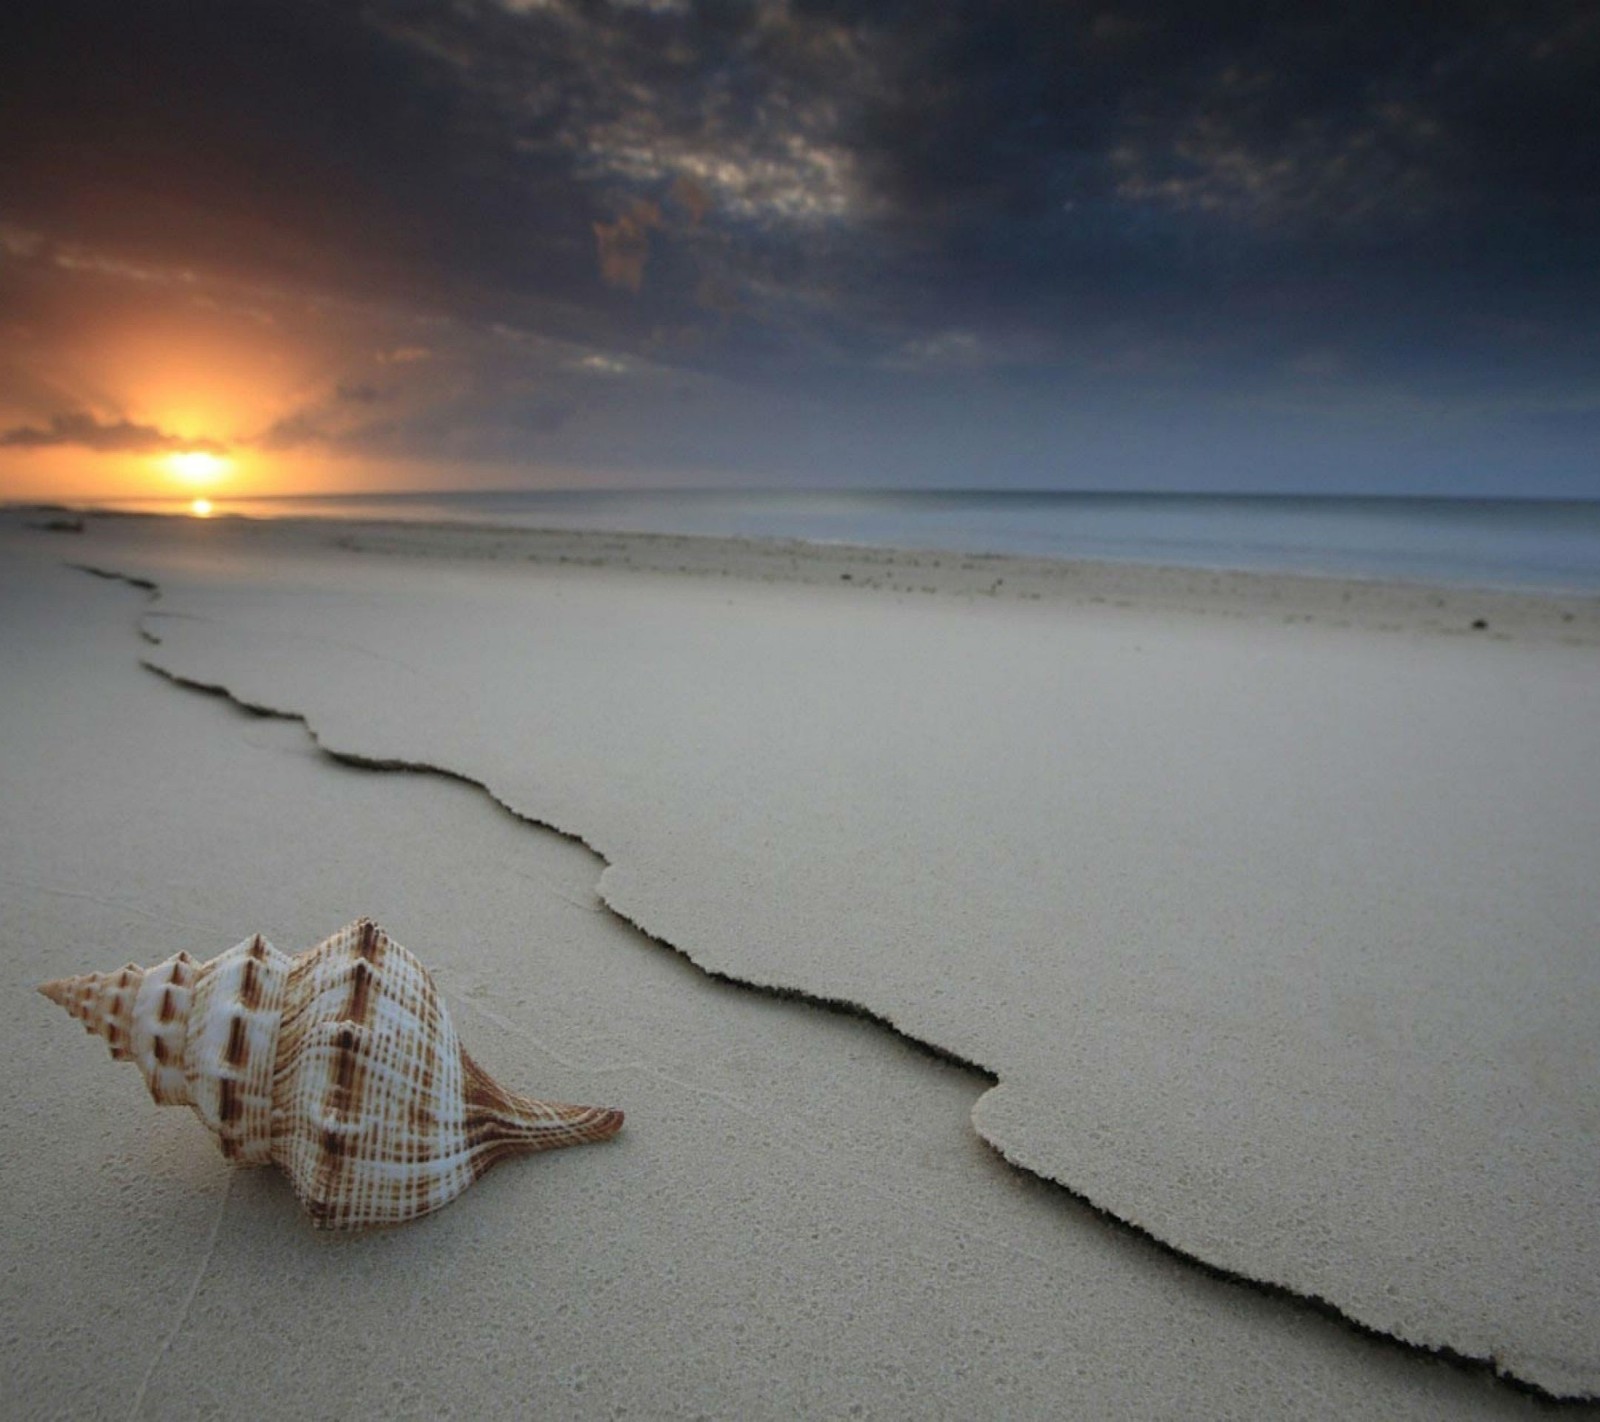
(143, 1015)
(339, 1065)
(103, 1002)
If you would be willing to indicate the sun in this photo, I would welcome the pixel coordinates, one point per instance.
(200, 508)
(197, 467)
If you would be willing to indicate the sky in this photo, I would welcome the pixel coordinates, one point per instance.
(306, 246)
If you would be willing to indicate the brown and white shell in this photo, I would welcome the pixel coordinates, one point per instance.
(340, 1065)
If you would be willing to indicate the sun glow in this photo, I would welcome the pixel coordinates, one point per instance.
(197, 467)
(200, 508)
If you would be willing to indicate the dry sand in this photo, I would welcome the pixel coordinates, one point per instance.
(1278, 934)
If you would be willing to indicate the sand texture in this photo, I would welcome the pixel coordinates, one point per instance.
(1267, 914)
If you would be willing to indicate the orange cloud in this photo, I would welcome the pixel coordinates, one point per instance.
(120, 436)
(692, 197)
(624, 245)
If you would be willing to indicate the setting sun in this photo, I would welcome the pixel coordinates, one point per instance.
(197, 466)
(200, 508)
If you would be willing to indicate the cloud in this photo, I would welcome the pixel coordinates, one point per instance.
(19, 241)
(944, 350)
(1245, 155)
(83, 431)
(692, 197)
(624, 245)
(295, 431)
(342, 414)
(75, 258)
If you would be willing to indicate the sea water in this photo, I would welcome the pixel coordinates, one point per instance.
(1519, 543)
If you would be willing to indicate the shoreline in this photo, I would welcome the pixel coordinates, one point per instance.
(1567, 616)
(1455, 552)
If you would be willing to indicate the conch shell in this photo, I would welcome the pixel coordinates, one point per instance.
(339, 1065)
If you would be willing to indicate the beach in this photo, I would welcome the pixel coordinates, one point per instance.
(1035, 989)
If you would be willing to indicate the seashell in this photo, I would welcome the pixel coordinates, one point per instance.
(339, 1065)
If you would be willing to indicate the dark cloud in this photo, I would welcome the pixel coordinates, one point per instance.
(295, 431)
(1032, 152)
(82, 431)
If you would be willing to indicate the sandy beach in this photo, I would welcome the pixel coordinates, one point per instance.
(1035, 990)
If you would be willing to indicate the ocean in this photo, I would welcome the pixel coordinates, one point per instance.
(1513, 543)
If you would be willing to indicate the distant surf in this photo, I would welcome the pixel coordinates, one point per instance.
(1511, 543)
